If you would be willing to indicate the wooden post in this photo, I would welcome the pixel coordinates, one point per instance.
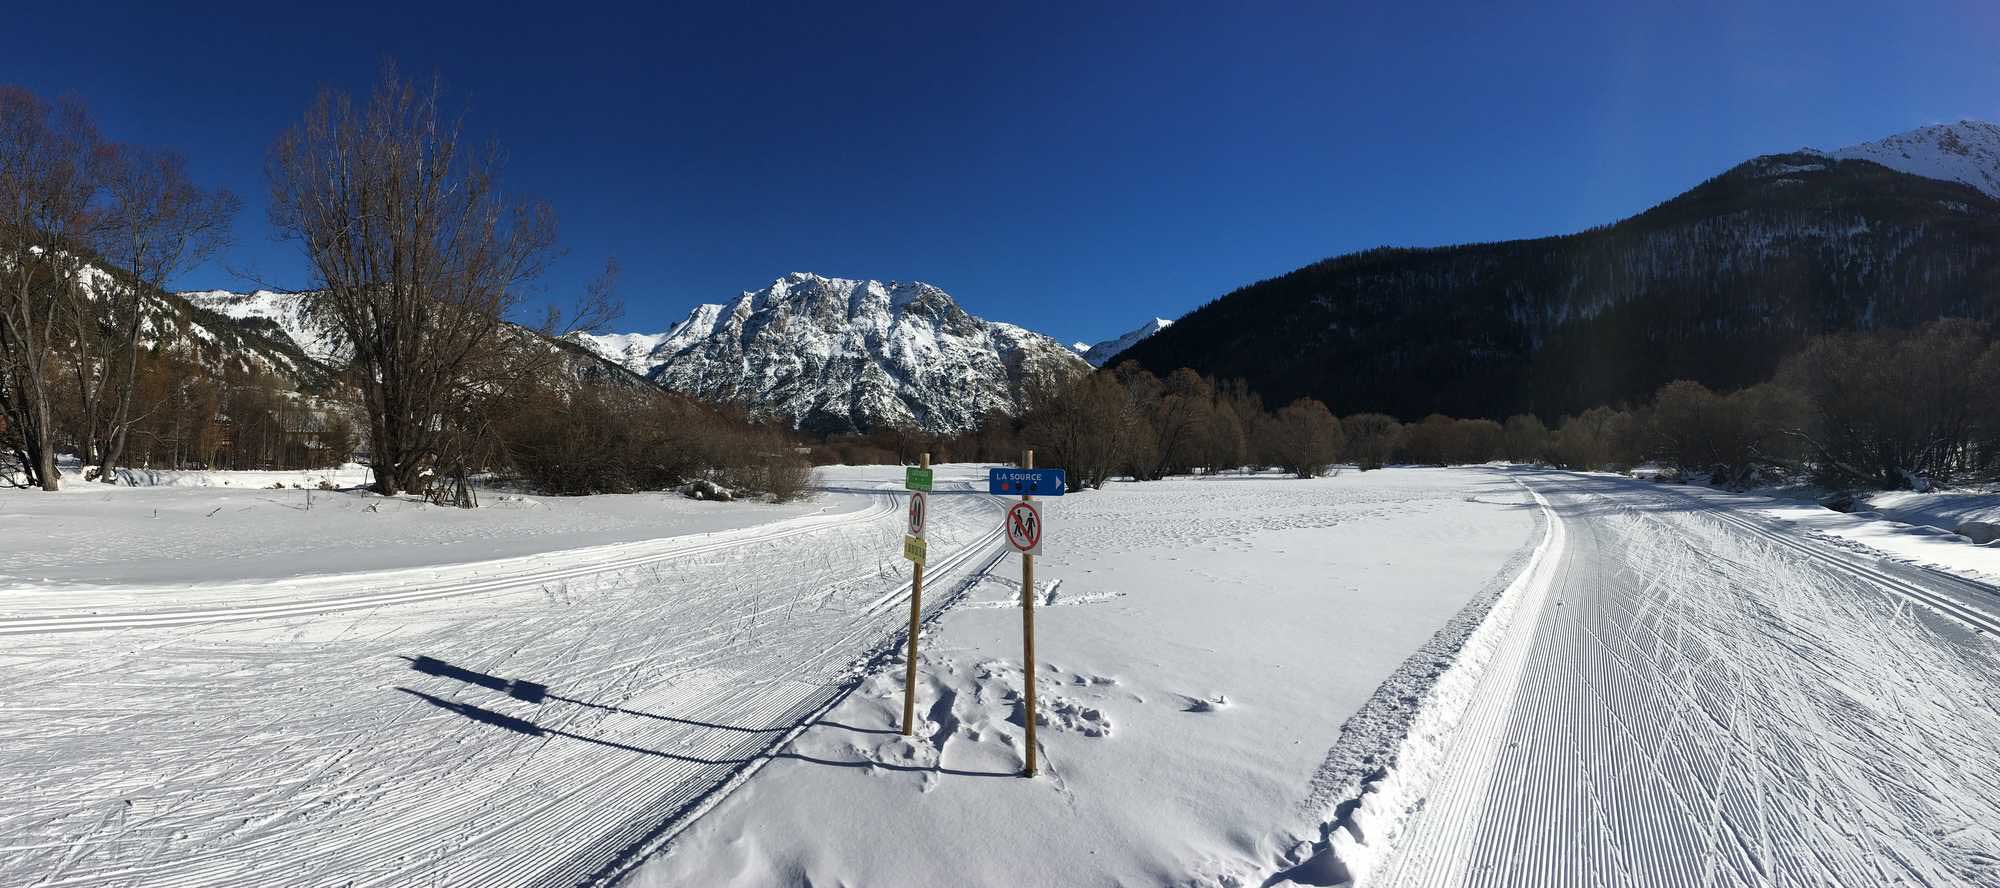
(1028, 676)
(916, 619)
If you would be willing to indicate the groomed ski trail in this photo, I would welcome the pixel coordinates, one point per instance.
(563, 720)
(1697, 699)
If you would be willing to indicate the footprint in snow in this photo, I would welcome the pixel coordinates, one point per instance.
(1205, 704)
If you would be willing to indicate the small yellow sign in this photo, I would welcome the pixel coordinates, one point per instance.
(913, 549)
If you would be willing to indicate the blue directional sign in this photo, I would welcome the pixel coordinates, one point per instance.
(1025, 482)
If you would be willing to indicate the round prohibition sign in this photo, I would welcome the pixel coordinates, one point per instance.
(918, 507)
(1024, 527)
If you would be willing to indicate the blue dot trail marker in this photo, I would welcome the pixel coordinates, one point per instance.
(1025, 482)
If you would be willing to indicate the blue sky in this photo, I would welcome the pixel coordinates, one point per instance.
(1077, 168)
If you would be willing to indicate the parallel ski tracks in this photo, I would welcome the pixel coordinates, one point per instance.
(522, 575)
(1945, 604)
(641, 777)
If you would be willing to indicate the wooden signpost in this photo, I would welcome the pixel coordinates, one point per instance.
(1023, 528)
(918, 482)
(1028, 676)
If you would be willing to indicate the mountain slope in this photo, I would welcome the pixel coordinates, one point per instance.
(829, 355)
(1100, 354)
(276, 321)
(1715, 285)
(1967, 152)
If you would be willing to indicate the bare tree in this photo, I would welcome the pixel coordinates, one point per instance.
(1083, 430)
(417, 256)
(1527, 439)
(1305, 438)
(156, 223)
(1372, 438)
(45, 208)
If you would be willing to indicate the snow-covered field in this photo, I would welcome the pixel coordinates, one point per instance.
(1201, 642)
(343, 728)
(1412, 677)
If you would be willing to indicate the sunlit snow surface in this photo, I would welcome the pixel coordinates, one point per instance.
(1967, 152)
(832, 354)
(1413, 676)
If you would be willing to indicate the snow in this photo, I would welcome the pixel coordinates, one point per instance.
(1967, 152)
(833, 354)
(205, 527)
(1909, 542)
(344, 728)
(1690, 695)
(633, 351)
(283, 310)
(1104, 351)
(1406, 677)
(1200, 642)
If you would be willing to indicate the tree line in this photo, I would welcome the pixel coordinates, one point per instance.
(418, 258)
(1882, 409)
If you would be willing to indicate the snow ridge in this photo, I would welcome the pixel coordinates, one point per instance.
(1104, 351)
(1967, 152)
(837, 355)
(285, 311)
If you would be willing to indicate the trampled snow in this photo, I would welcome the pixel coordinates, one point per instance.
(1201, 643)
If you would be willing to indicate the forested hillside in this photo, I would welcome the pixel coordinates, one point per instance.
(1717, 285)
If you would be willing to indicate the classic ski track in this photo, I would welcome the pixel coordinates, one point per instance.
(1634, 732)
(316, 784)
(1952, 607)
(660, 550)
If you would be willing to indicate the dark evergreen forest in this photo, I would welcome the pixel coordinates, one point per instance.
(1717, 285)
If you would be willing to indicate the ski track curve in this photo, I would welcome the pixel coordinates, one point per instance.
(1699, 699)
(208, 745)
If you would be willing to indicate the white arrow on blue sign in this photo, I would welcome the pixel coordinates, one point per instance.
(1025, 482)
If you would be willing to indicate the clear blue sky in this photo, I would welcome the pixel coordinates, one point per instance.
(1075, 169)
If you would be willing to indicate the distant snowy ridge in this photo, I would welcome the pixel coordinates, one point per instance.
(1967, 152)
(633, 351)
(835, 355)
(1104, 351)
(279, 319)
(285, 311)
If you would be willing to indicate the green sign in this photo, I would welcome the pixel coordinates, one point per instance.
(917, 479)
(913, 548)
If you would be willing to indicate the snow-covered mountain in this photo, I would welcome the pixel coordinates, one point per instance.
(274, 319)
(1967, 152)
(1104, 351)
(279, 313)
(633, 351)
(834, 355)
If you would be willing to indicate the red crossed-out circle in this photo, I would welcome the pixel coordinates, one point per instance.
(917, 514)
(1024, 526)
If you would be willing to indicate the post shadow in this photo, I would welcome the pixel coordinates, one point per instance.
(530, 729)
(538, 693)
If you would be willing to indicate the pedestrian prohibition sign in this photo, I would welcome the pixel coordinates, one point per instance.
(918, 506)
(1024, 527)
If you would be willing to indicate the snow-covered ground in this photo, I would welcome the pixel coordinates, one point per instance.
(463, 722)
(1408, 677)
(1200, 642)
(205, 527)
(1689, 693)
